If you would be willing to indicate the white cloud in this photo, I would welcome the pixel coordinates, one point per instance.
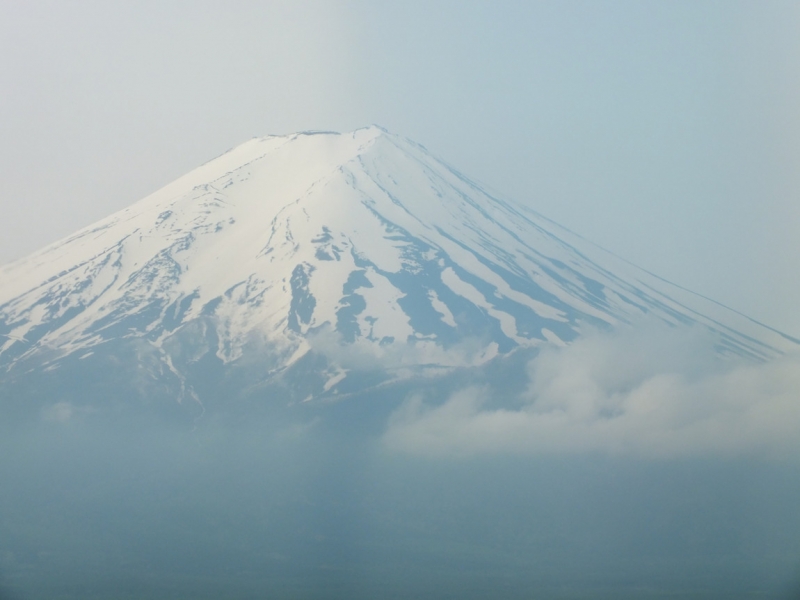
(62, 412)
(366, 354)
(650, 392)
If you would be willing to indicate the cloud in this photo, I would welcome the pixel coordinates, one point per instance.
(399, 354)
(651, 392)
(61, 412)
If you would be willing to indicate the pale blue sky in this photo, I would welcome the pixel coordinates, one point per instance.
(666, 132)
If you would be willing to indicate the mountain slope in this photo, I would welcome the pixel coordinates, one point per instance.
(329, 254)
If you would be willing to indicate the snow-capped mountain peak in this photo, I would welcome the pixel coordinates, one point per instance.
(334, 245)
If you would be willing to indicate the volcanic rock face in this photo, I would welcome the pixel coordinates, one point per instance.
(324, 263)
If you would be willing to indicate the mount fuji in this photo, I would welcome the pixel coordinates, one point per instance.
(314, 266)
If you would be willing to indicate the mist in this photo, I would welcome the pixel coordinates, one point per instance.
(624, 466)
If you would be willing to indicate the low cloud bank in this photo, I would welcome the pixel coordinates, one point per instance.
(650, 392)
(398, 354)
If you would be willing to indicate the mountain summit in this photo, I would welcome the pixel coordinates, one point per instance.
(316, 257)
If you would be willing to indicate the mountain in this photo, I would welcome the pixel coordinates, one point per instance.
(316, 265)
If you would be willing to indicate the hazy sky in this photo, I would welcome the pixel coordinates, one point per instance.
(666, 132)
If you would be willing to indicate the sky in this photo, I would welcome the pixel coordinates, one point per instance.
(667, 133)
